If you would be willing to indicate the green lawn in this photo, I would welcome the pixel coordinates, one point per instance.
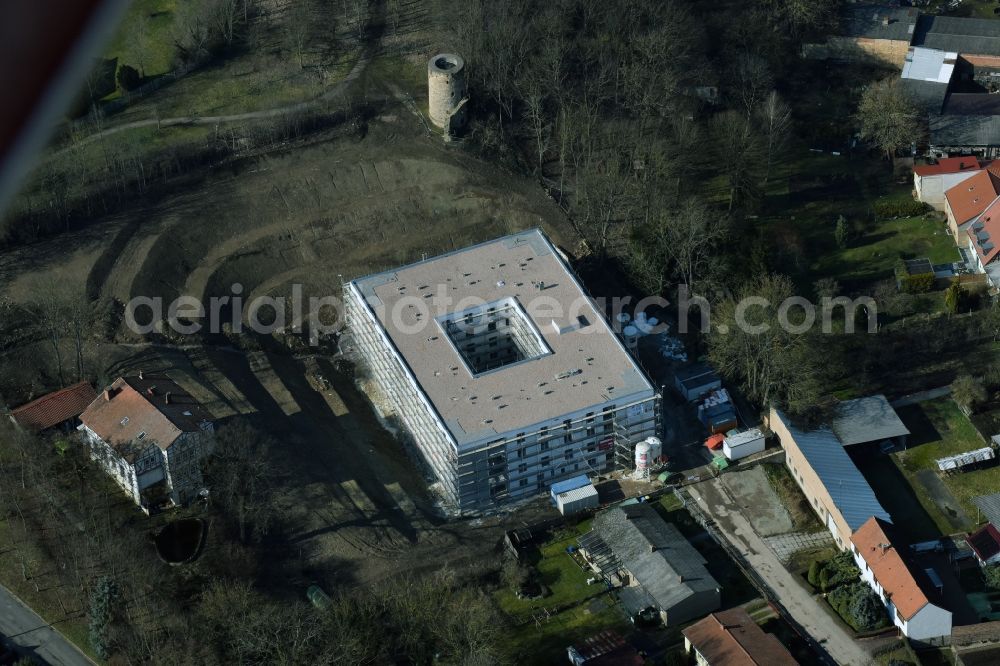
(806, 196)
(158, 55)
(558, 571)
(545, 640)
(939, 429)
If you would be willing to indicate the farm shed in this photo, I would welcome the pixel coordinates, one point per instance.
(989, 506)
(577, 500)
(828, 477)
(54, 409)
(953, 463)
(655, 566)
(696, 380)
(985, 543)
(742, 444)
(870, 420)
(569, 484)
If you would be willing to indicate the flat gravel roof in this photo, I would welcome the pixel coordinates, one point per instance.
(587, 366)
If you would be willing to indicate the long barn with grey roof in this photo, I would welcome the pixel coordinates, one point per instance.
(834, 486)
(503, 370)
(652, 563)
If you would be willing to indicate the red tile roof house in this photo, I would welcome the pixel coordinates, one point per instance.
(732, 638)
(905, 597)
(967, 200)
(983, 237)
(59, 408)
(151, 437)
(985, 543)
(931, 181)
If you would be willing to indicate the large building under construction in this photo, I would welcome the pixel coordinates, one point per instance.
(503, 370)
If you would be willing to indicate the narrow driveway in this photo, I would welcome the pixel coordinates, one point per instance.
(30, 634)
(798, 602)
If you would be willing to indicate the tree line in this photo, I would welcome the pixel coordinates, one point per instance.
(74, 537)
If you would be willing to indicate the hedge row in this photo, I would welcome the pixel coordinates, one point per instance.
(899, 208)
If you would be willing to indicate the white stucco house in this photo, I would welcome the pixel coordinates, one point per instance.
(906, 597)
(151, 437)
(931, 181)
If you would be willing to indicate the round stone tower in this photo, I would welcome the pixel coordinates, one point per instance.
(446, 91)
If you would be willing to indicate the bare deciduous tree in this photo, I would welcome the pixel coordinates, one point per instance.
(888, 117)
(776, 121)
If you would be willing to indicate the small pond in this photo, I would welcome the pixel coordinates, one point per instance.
(180, 541)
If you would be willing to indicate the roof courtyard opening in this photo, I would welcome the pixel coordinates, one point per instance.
(493, 335)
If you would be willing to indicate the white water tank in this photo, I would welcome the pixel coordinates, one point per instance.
(655, 448)
(631, 335)
(642, 457)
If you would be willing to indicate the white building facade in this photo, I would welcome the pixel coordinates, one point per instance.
(906, 602)
(502, 397)
(151, 438)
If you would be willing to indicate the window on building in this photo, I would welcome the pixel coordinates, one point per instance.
(544, 446)
(568, 454)
(568, 438)
(522, 468)
(522, 483)
(545, 461)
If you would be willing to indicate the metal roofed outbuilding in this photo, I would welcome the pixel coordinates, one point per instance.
(989, 505)
(967, 36)
(665, 567)
(577, 500)
(869, 419)
(567, 485)
(829, 478)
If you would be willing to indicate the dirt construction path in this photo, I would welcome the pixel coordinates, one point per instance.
(337, 90)
(797, 601)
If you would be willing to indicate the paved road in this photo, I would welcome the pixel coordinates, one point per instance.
(30, 634)
(798, 602)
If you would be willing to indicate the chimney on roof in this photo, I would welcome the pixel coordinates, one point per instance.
(140, 373)
(151, 390)
(166, 398)
(652, 548)
(885, 20)
(885, 547)
(107, 395)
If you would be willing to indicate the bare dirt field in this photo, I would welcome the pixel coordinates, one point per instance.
(354, 507)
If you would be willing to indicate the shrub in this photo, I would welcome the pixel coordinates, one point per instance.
(814, 570)
(954, 298)
(128, 77)
(104, 600)
(969, 392)
(842, 232)
(991, 575)
(865, 609)
(918, 284)
(858, 606)
(899, 208)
